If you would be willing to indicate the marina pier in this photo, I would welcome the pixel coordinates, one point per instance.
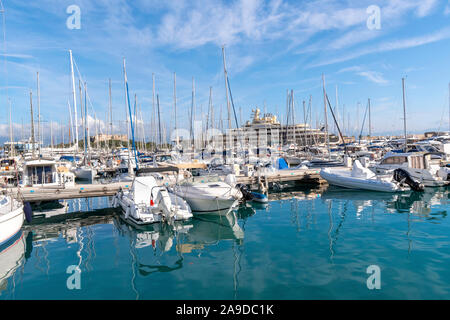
(37, 194)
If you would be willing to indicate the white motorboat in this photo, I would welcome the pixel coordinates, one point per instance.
(208, 196)
(147, 202)
(11, 218)
(360, 178)
(85, 173)
(424, 167)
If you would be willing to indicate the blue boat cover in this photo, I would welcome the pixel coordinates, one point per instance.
(282, 164)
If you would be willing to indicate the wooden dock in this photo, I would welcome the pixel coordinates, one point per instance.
(37, 194)
(297, 176)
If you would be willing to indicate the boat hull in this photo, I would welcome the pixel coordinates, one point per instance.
(347, 181)
(10, 224)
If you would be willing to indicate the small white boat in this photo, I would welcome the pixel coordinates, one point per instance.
(85, 173)
(11, 218)
(361, 178)
(147, 202)
(209, 197)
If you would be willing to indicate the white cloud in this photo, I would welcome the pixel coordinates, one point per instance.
(389, 46)
(447, 9)
(373, 76)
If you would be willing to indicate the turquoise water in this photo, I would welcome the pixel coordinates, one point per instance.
(311, 244)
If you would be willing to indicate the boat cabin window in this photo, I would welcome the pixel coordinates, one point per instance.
(40, 174)
(417, 162)
(163, 158)
(394, 160)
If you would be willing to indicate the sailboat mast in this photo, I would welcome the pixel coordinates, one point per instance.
(11, 130)
(175, 106)
(370, 125)
(159, 121)
(153, 110)
(110, 113)
(129, 111)
(32, 124)
(226, 87)
(404, 113)
(39, 114)
(74, 101)
(325, 115)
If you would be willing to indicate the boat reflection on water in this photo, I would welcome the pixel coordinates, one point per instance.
(13, 256)
(419, 203)
(189, 235)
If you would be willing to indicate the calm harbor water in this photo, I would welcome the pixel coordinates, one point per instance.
(310, 244)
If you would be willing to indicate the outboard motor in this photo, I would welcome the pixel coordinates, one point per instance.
(403, 176)
(245, 192)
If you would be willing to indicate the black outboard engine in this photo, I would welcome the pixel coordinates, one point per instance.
(403, 176)
(245, 192)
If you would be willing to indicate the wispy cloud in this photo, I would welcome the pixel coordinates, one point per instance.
(389, 46)
(373, 76)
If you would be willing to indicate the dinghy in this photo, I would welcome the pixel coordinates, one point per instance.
(360, 178)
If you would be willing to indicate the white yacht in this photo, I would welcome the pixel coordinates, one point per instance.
(208, 195)
(424, 167)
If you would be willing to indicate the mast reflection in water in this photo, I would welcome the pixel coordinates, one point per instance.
(304, 244)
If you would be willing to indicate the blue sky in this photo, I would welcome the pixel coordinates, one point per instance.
(271, 47)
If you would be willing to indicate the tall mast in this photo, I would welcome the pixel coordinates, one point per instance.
(226, 87)
(74, 100)
(370, 124)
(175, 106)
(32, 124)
(129, 111)
(39, 114)
(70, 121)
(51, 137)
(159, 121)
(11, 130)
(404, 113)
(110, 112)
(153, 109)
(325, 115)
(193, 113)
(449, 107)
(83, 121)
